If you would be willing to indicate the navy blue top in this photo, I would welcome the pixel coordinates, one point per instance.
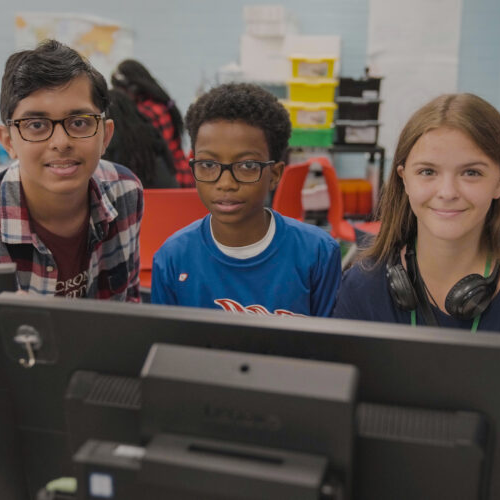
(364, 294)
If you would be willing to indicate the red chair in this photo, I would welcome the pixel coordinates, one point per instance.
(165, 212)
(341, 228)
(288, 196)
(288, 199)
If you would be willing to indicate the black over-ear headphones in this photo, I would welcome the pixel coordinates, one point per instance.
(472, 294)
(400, 287)
(468, 298)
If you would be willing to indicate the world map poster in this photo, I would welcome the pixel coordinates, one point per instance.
(105, 43)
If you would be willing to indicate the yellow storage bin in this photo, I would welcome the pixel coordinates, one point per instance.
(310, 115)
(311, 89)
(312, 67)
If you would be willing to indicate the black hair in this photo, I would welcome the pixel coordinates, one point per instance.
(136, 142)
(134, 78)
(247, 103)
(50, 65)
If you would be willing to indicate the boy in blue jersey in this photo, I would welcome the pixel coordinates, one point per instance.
(242, 256)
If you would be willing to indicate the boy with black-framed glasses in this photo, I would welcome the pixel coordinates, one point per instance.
(242, 256)
(69, 220)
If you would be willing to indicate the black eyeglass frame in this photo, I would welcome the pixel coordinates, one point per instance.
(229, 166)
(96, 116)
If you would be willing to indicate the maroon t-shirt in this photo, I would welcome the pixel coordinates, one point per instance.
(71, 256)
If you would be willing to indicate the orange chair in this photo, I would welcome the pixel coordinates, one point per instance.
(356, 196)
(165, 212)
(288, 196)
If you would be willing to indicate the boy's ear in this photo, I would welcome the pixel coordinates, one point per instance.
(109, 128)
(6, 141)
(276, 173)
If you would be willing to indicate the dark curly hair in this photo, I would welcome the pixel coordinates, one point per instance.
(247, 103)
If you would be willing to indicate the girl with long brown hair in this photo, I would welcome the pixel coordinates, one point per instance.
(436, 258)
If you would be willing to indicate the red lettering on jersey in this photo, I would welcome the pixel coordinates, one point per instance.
(231, 305)
(256, 309)
(284, 312)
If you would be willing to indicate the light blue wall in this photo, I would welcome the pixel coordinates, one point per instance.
(479, 69)
(179, 40)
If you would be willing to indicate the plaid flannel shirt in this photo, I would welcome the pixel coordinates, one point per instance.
(116, 207)
(159, 115)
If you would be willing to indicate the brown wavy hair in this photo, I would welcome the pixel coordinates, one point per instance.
(467, 113)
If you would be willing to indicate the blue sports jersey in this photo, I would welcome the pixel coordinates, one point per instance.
(365, 295)
(298, 273)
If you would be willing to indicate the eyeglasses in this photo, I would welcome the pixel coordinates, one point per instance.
(247, 171)
(41, 129)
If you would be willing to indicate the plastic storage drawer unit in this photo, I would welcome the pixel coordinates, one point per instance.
(360, 132)
(310, 137)
(363, 87)
(310, 115)
(312, 67)
(357, 108)
(312, 89)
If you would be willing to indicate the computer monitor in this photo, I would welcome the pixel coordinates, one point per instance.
(438, 378)
(225, 425)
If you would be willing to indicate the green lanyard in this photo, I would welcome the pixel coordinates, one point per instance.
(475, 323)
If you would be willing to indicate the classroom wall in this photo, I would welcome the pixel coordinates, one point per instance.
(183, 42)
(479, 66)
